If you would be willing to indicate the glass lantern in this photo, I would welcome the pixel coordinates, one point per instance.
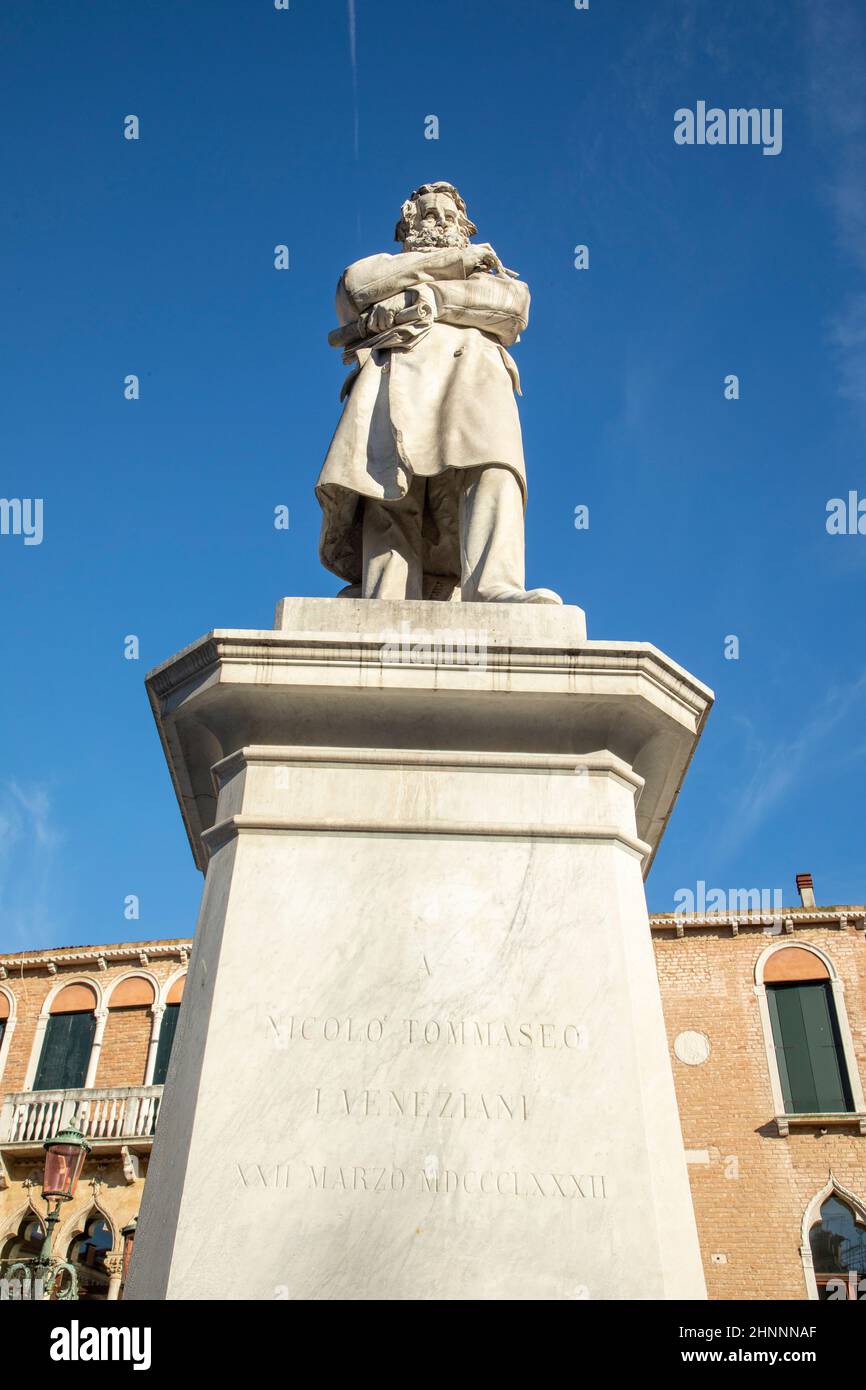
(65, 1155)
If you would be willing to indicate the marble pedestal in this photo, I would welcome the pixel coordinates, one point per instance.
(421, 1053)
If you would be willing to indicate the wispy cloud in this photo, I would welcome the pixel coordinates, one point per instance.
(30, 894)
(779, 765)
(353, 59)
(848, 338)
(837, 55)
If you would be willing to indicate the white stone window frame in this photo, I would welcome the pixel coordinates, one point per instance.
(170, 981)
(156, 1013)
(14, 1222)
(76, 1225)
(812, 1217)
(159, 1009)
(784, 1121)
(100, 1013)
(11, 1022)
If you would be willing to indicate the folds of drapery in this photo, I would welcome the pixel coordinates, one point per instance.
(431, 394)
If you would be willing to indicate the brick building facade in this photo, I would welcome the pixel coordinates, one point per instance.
(85, 1036)
(766, 1021)
(765, 1163)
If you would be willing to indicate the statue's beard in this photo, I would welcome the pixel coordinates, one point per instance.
(434, 238)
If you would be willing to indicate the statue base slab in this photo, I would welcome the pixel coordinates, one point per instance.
(421, 1053)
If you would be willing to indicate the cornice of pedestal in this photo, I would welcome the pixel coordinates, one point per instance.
(590, 764)
(334, 681)
(225, 830)
(276, 649)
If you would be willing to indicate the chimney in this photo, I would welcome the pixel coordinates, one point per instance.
(806, 889)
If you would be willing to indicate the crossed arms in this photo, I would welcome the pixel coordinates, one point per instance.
(453, 285)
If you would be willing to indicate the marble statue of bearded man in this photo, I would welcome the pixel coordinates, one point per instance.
(424, 487)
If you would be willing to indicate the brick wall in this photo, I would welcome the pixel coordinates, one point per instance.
(750, 1198)
(124, 1051)
(114, 1173)
(123, 1057)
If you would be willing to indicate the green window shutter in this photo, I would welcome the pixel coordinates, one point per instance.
(825, 1049)
(809, 1049)
(166, 1040)
(2, 1030)
(65, 1052)
(781, 1054)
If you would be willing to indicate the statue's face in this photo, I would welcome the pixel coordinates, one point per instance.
(437, 224)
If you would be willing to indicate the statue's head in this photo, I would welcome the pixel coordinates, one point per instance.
(432, 217)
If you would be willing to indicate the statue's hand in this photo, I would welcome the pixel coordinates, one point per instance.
(479, 258)
(379, 319)
(486, 259)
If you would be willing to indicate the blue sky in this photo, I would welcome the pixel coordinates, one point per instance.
(155, 257)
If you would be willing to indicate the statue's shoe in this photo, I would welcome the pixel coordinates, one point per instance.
(524, 596)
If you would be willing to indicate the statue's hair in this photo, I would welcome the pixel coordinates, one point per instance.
(409, 210)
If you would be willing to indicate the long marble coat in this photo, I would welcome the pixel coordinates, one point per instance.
(438, 400)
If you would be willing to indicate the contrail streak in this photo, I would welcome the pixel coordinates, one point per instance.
(353, 58)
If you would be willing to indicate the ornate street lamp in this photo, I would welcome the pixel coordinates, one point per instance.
(65, 1155)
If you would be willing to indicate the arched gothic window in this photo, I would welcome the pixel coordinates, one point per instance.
(25, 1243)
(88, 1251)
(838, 1245)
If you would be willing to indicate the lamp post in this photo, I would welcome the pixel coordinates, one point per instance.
(128, 1234)
(65, 1155)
